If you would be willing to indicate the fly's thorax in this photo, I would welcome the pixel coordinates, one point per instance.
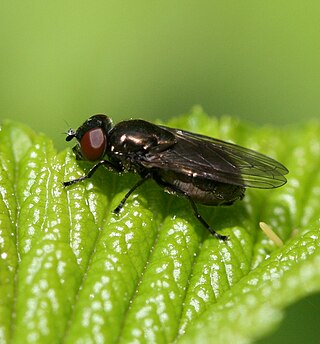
(139, 137)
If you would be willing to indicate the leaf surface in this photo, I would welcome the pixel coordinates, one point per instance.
(74, 272)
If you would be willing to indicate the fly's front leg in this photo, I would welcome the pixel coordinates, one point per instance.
(127, 195)
(104, 163)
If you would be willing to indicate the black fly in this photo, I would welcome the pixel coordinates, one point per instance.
(202, 169)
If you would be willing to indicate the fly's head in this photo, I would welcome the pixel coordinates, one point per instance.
(92, 137)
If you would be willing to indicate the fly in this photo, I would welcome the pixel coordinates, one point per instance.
(202, 169)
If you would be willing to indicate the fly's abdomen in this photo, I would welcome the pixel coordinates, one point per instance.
(201, 190)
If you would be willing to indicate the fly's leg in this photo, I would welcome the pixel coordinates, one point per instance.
(175, 190)
(204, 223)
(127, 195)
(104, 163)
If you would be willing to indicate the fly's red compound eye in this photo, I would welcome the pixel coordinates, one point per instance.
(93, 144)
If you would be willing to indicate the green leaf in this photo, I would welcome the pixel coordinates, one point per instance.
(71, 271)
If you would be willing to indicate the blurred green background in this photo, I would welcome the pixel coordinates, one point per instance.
(61, 61)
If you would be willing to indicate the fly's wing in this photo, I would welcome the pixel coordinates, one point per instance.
(212, 159)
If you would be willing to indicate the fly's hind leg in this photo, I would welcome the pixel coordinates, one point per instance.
(172, 189)
(204, 223)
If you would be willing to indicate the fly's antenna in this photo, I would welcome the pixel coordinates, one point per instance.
(70, 134)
